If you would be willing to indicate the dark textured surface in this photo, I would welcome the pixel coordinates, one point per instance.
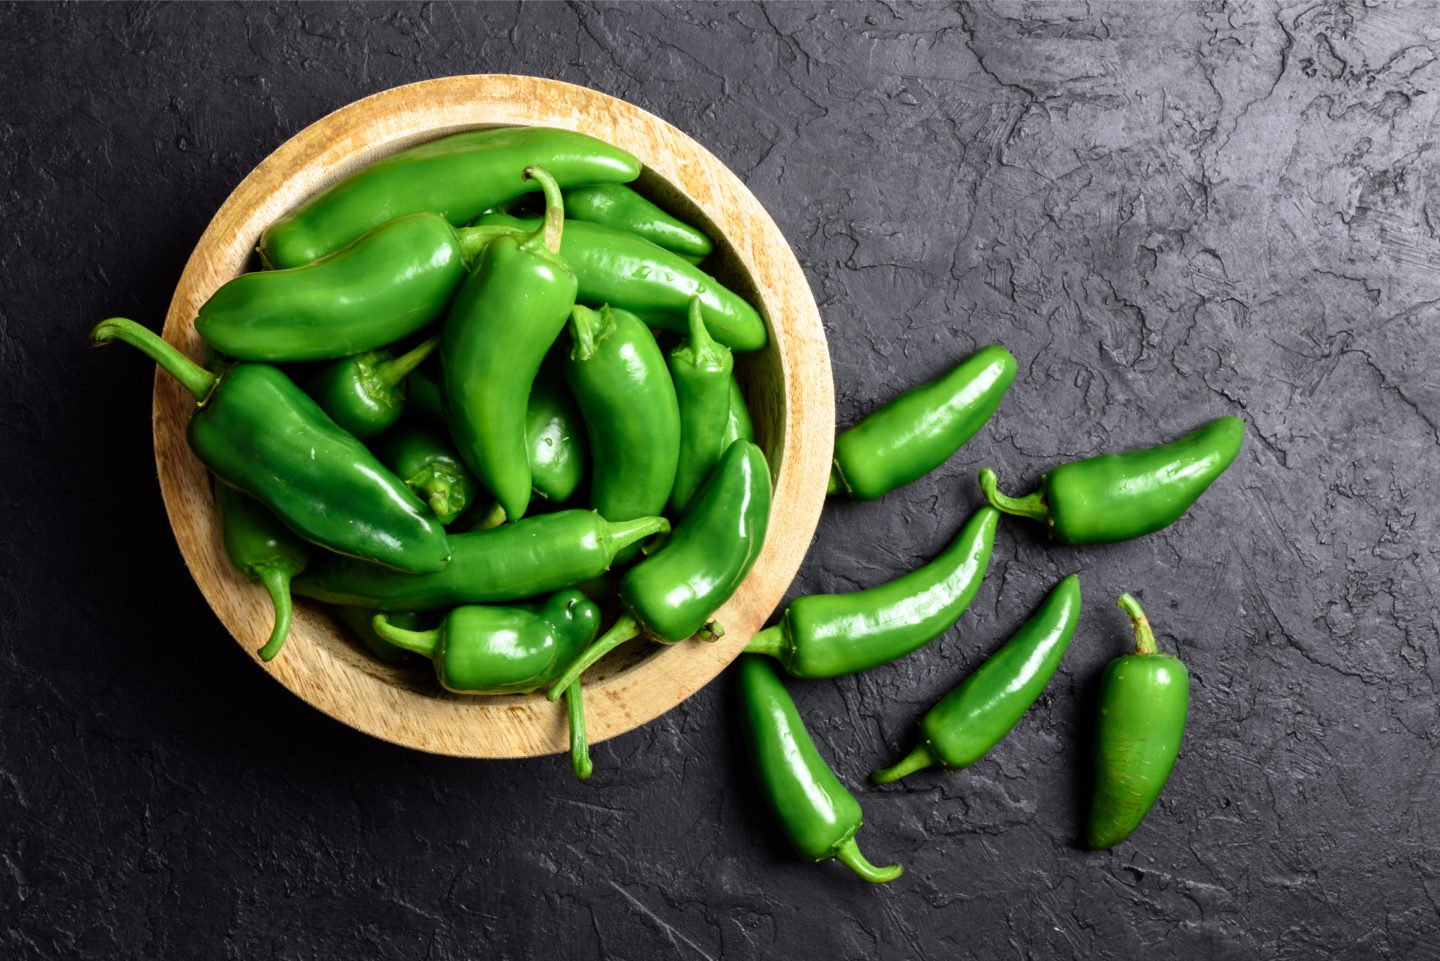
(1165, 215)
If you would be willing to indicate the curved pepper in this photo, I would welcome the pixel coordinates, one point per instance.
(530, 557)
(972, 719)
(827, 635)
(457, 177)
(632, 418)
(703, 372)
(422, 455)
(671, 594)
(620, 207)
(264, 551)
(365, 394)
(1114, 497)
(391, 283)
(1144, 698)
(818, 814)
(555, 434)
(508, 650)
(497, 334)
(256, 430)
(922, 428)
(620, 269)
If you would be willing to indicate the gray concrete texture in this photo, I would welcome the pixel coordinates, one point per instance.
(1166, 212)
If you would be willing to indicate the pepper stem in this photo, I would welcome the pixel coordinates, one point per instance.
(621, 534)
(837, 483)
(277, 583)
(474, 240)
(706, 352)
(587, 329)
(916, 760)
(194, 378)
(1031, 505)
(1144, 635)
(421, 642)
(580, 761)
(625, 629)
(848, 854)
(393, 371)
(554, 223)
(771, 642)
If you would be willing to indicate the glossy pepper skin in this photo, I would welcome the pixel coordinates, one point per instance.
(620, 207)
(555, 434)
(703, 372)
(256, 430)
(456, 177)
(523, 559)
(922, 428)
(509, 650)
(1114, 497)
(358, 619)
(620, 269)
(818, 814)
(421, 454)
(828, 635)
(673, 593)
(365, 394)
(264, 551)
(1144, 699)
(632, 418)
(497, 334)
(970, 720)
(390, 283)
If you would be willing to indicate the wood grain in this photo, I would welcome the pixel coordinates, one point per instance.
(788, 386)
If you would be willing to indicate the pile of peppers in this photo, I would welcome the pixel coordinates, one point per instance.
(481, 399)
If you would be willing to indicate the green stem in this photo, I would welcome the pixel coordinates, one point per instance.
(474, 240)
(194, 378)
(580, 761)
(587, 329)
(421, 642)
(277, 583)
(1144, 635)
(554, 223)
(708, 353)
(625, 629)
(848, 853)
(393, 371)
(621, 534)
(1032, 505)
(770, 641)
(837, 481)
(916, 760)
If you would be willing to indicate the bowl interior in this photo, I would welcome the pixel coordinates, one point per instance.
(786, 384)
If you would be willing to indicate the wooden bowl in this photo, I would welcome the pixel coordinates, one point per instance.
(787, 385)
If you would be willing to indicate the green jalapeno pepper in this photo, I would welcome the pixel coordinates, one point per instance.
(358, 619)
(703, 372)
(632, 418)
(497, 334)
(827, 635)
(922, 428)
(530, 557)
(620, 207)
(737, 421)
(422, 455)
(1114, 497)
(820, 817)
(509, 650)
(555, 434)
(365, 394)
(1144, 698)
(457, 177)
(259, 432)
(391, 283)
(672, 594)
(264, 551)
(972, 719)
(620, 269)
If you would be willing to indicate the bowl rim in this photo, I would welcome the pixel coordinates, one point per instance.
(334, 677)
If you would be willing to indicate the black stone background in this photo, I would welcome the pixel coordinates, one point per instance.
(1167, 213)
